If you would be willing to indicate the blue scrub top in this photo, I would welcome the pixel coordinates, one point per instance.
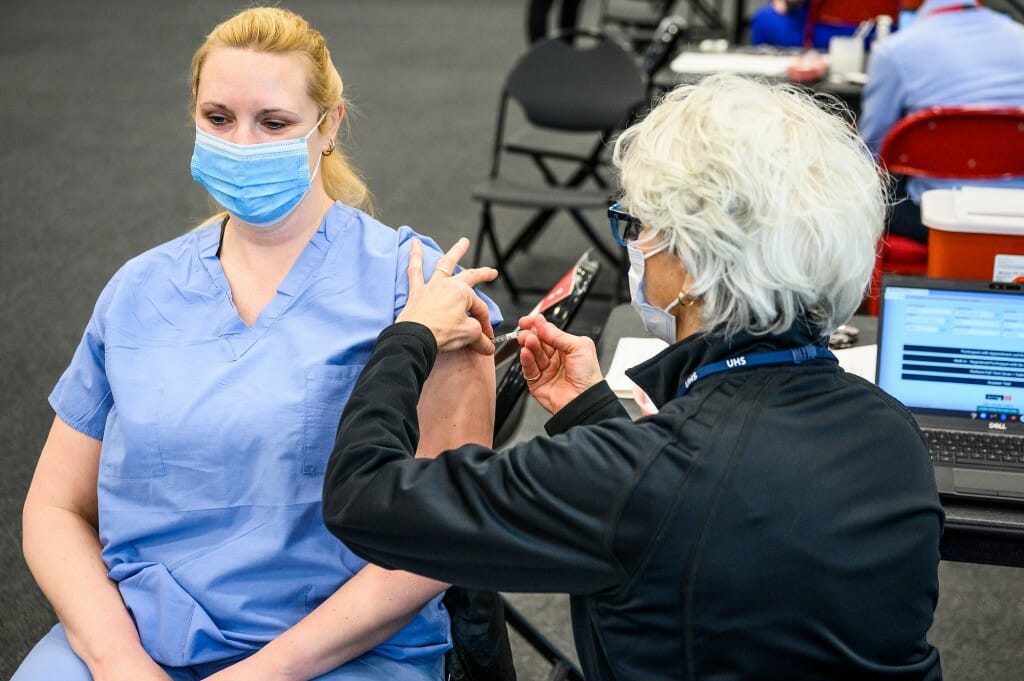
(216, 435)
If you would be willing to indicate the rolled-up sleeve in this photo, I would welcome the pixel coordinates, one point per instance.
(431, 254)
(82, 397)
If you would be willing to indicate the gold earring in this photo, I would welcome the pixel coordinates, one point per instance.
(686, 300)
(330, 150)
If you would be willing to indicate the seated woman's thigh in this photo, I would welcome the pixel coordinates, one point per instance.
(52, 658)
(371, 667)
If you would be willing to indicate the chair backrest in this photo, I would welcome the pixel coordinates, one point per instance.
(851, 11)
(963, 142)
(566, 85)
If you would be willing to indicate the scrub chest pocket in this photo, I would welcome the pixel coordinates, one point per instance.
(131, 444)
(327, 390)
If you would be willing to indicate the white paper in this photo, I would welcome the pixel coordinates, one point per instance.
(751, 64)
(628, 353)
(859, 360)
(1008, 268)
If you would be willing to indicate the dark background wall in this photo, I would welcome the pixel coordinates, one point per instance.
(95, 141)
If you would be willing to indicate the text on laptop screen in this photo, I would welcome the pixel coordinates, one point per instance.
(954, 353)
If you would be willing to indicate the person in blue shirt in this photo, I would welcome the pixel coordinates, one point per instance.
(955, 53)
(779, 23)
(174, 519)
(783, 23)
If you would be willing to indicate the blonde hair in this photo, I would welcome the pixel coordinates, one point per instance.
(279, 31)
(772, 204)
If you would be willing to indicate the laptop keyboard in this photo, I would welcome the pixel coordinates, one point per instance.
(979, 449)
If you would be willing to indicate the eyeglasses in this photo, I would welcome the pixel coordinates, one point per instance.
(625, 227)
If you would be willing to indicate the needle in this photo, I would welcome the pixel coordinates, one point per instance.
(498, 340)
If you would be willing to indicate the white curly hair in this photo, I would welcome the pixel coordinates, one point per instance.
(771, 201)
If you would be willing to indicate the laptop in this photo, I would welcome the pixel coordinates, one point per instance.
(953, 352)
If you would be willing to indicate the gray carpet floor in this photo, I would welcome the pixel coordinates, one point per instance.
(95, 142)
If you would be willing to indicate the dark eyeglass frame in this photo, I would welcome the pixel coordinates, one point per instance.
(625, 227)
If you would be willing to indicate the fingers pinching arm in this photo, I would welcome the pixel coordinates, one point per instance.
(447, 304)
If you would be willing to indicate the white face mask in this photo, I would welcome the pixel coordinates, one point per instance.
(659, 322)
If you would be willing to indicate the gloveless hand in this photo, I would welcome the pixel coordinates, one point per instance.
(557, 366)
(447, 304)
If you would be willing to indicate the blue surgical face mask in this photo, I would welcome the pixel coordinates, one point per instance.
(659, 322)
(260, 184)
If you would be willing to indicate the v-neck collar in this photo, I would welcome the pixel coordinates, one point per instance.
(239, 336)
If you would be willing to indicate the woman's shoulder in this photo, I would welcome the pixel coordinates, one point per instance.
(365, 235)
(167, 260)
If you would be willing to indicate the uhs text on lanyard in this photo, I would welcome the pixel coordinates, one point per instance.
(805, 353)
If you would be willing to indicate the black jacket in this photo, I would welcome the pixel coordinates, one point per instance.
(773, 523)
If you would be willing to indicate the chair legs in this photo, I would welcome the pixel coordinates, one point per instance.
(487, 233)
(563, 668)
(530, 232)
(581, 221)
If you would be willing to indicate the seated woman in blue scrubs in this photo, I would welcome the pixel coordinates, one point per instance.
(174, 520)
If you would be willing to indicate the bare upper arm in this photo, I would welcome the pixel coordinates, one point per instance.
(66, 473)
(457, 403)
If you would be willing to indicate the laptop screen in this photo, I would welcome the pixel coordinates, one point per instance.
(953, 351)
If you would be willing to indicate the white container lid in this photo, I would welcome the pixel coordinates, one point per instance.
(975, 210)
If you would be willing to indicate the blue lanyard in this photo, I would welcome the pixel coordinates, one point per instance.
(805, 353)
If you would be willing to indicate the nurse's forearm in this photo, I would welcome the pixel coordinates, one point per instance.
(362, 614)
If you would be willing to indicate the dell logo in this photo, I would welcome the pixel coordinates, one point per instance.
(736, 362)
(995, 425)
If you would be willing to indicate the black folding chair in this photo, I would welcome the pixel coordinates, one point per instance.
(584, 83)
(636, 21)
